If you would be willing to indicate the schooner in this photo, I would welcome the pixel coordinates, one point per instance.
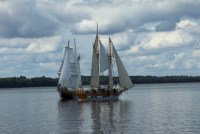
(102, 60)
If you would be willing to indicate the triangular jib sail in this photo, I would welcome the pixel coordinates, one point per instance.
(124, 78)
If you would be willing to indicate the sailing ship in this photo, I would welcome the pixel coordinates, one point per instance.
(102, 60)
(69, 73)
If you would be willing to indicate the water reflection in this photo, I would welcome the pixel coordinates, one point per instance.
(93, 117)
(110, 117)
(151, 109)
(146, 109)
(102, 116)
(67, 111)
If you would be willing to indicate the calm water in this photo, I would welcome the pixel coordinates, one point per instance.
(145, 109)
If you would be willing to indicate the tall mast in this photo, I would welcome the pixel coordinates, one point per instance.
(110, 65)
(68, 44)
(75, 56)
(97, 47)
(97, 30)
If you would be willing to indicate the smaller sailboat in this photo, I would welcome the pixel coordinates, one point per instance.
(102, 60)
(69, 73)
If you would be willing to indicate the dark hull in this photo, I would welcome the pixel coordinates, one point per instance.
(65, 94)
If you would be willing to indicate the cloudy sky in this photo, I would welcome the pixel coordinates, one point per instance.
(153, 37)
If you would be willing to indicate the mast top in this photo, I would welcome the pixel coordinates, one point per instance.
(97, 29)
(74, 41)
(75, 45)
(68, 44)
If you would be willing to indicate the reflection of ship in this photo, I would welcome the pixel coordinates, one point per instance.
(69, 74)
(109, 116)
(93, 117)
(67, 116)
(102, 60)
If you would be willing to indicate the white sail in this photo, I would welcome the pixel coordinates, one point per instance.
(79, 81)
(74, 75)
(94, 82)
(69, 74)
(61, 66)
(74, 69)
(103, 58)
(78, 70)
(65, 72)
(124, 79)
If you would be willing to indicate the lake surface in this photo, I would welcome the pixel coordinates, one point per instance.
(144, 109)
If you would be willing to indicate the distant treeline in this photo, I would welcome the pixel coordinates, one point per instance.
(22, 81)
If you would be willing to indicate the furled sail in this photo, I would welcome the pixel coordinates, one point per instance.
(124, 79)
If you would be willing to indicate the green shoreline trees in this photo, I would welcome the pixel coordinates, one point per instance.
(22, 81)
